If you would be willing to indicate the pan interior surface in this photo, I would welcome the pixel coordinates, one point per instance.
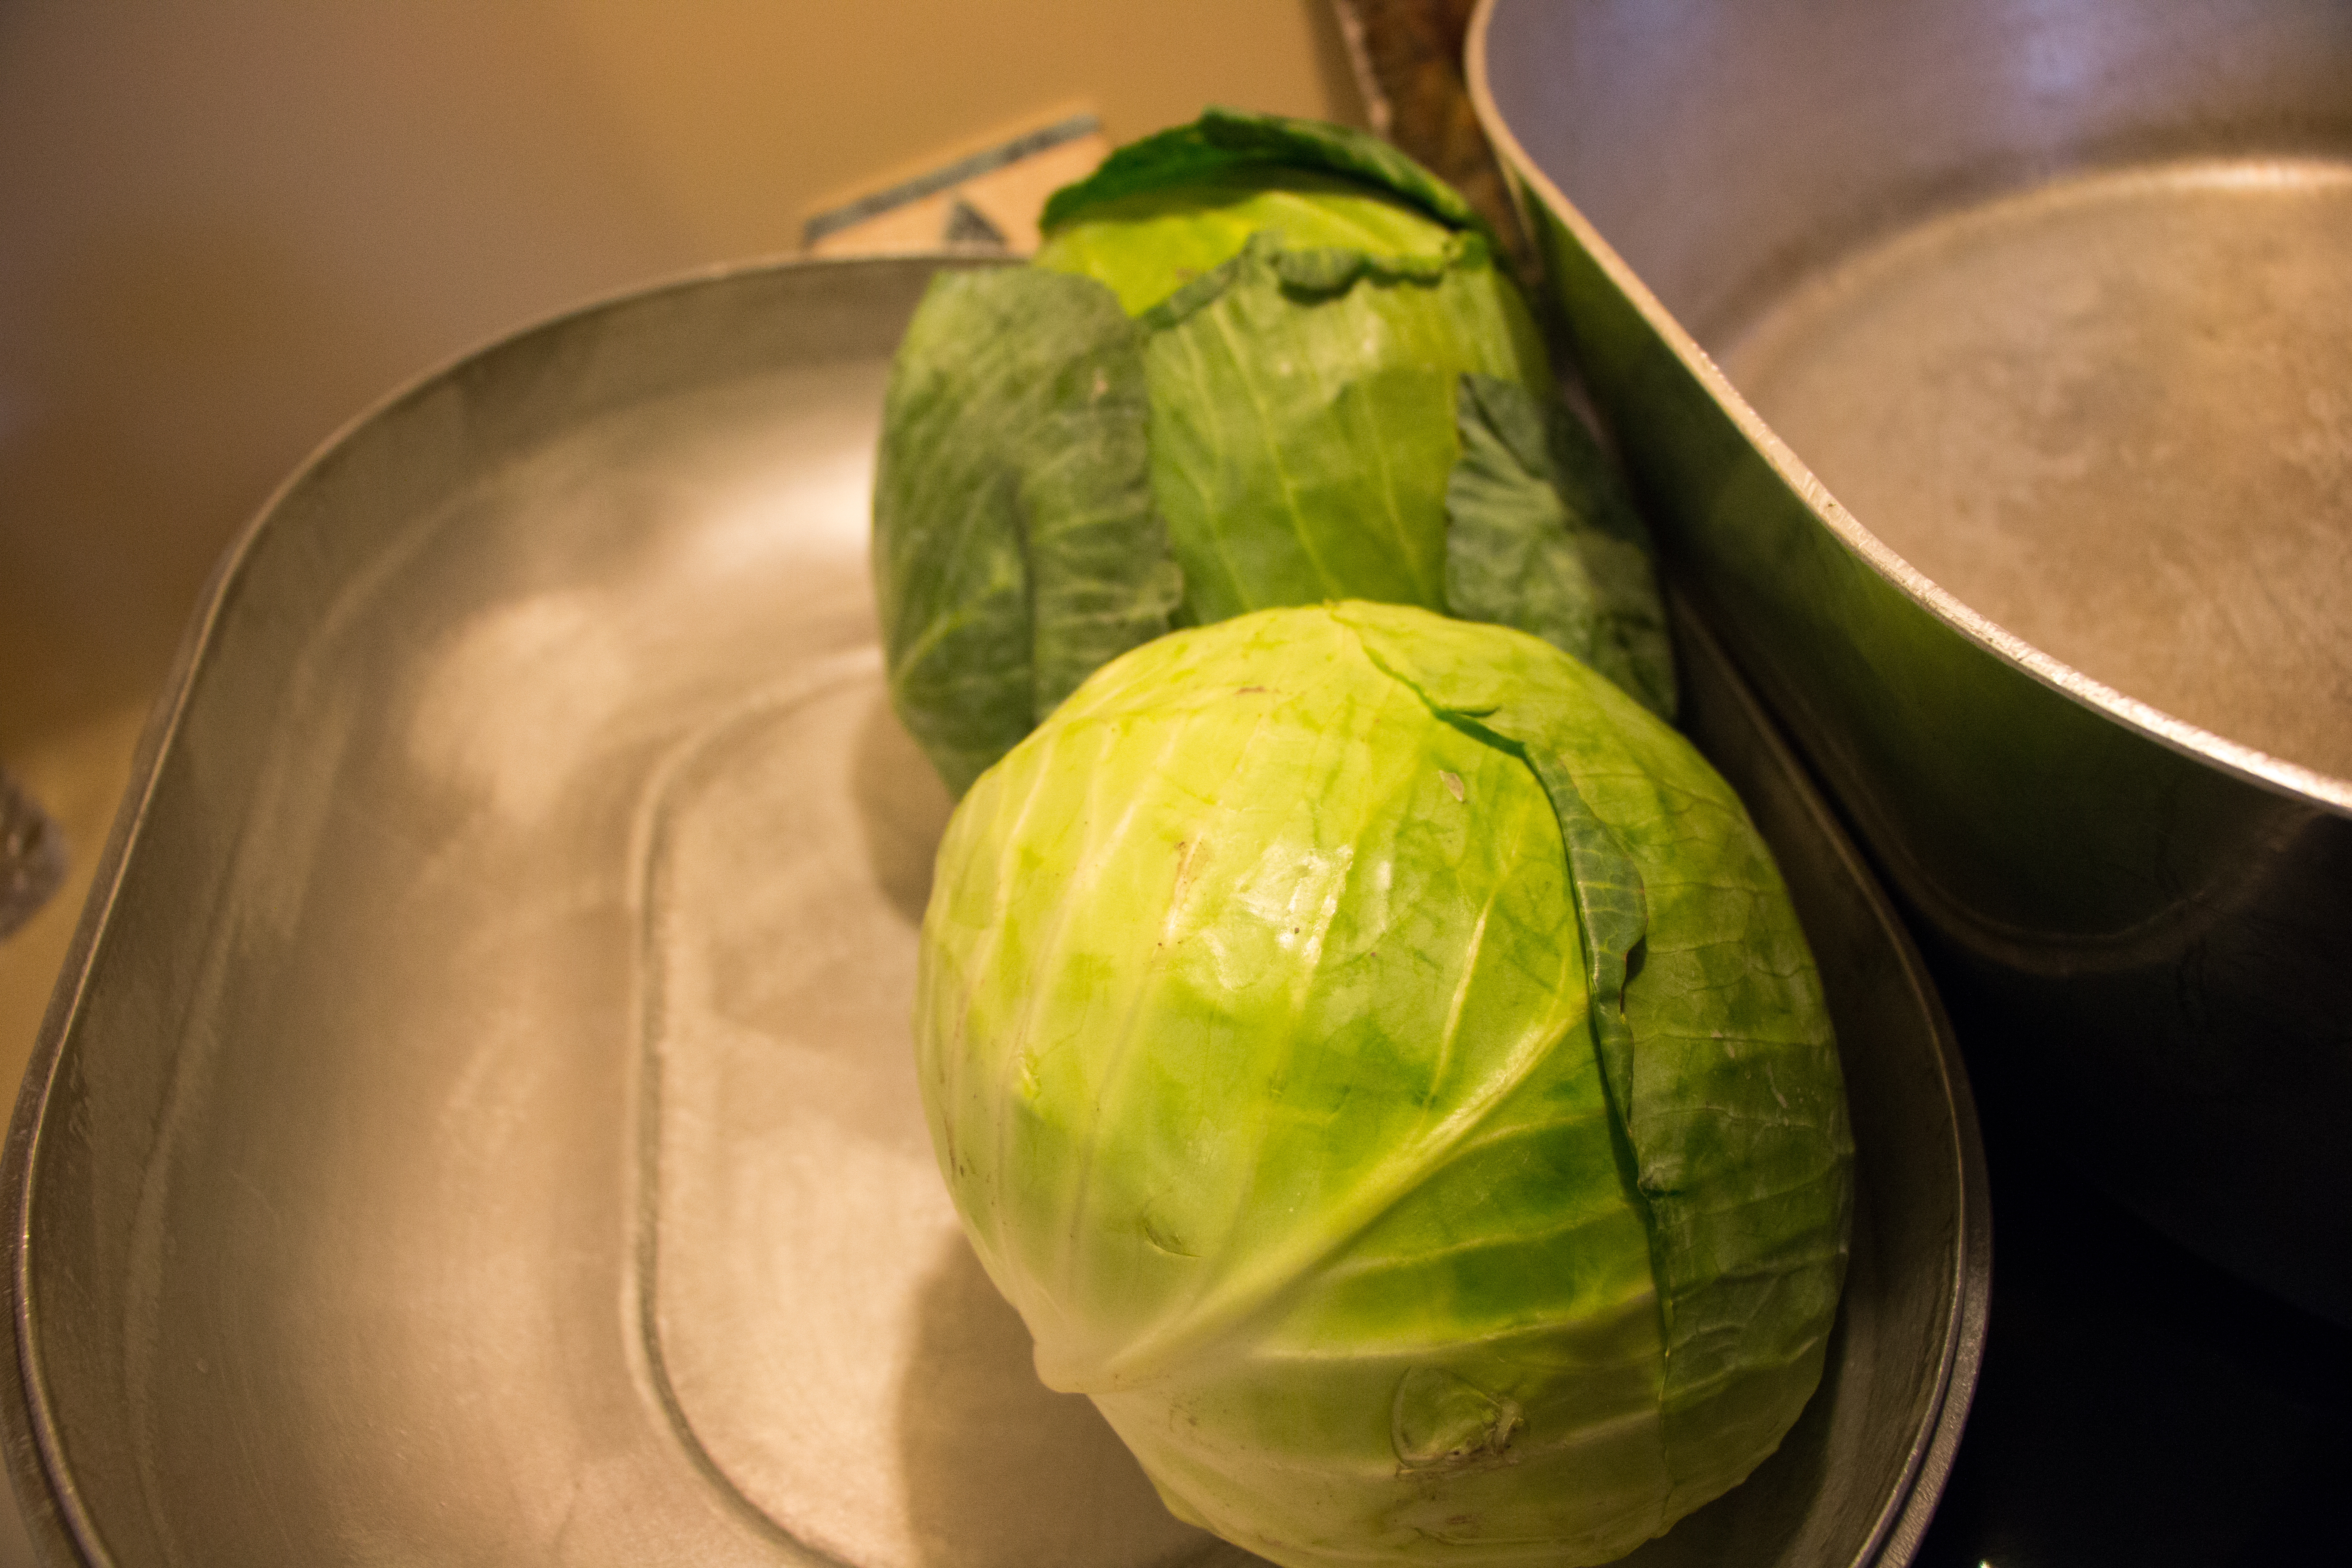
(890, 1418)
(484, 1126)
(2112, 413)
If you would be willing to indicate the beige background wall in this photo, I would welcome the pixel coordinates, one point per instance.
(226, 226)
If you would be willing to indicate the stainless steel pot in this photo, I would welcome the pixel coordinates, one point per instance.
(478, 1122)
(2056, 299)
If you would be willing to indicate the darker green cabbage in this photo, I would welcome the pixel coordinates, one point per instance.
(1258, 362)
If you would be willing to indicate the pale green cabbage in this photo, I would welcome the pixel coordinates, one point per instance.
(1378, 1060)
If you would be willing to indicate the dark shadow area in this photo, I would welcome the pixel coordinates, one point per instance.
(902, 808)
(2139, 1405)
(1003, 1472)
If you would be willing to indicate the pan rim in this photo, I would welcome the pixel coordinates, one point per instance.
(64, 1522)
(2274, 775)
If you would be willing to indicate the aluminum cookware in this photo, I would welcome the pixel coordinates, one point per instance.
(1988, 370)
(478, 1123)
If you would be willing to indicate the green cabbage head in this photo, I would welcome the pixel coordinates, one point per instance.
(1378, 1060)
(1259, 362)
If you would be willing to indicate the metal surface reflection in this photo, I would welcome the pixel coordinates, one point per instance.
(478, 1123)
(2141, 924)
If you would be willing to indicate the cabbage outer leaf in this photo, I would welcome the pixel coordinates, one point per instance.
(1015, 544)
(1540, 535)
(1303, 418)
(1724, 1075)
(1225, 139)
(1148, 245)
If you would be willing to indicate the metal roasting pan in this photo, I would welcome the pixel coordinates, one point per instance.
(1987, 366)
(476, 1125)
